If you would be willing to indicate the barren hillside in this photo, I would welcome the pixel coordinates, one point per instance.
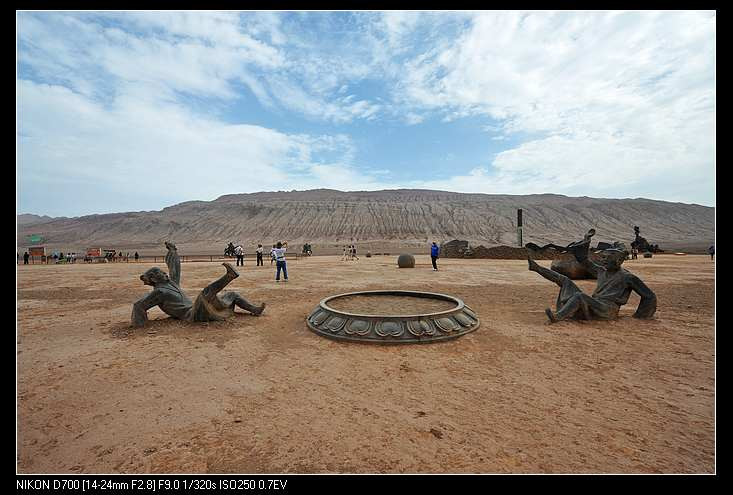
(399, 216)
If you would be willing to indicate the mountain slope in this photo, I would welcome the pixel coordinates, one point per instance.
(394, 215)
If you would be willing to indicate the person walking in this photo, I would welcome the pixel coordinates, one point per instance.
(25, 258)
(259, 255)
(353, 252)
(711, 252)
(279, 253)
(434, 253)
(137, 256)
(343, 258)
(239, 252)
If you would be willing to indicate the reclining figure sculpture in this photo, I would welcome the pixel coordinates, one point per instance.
(612, 291)
(169, 297)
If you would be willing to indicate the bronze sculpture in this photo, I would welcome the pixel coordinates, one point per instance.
(615, 284)
(169, 297)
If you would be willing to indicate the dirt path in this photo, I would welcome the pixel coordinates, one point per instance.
(267, 395)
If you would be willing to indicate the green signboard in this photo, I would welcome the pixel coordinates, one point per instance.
(35, 238)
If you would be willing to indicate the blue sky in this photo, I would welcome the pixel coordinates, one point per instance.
(123, 111)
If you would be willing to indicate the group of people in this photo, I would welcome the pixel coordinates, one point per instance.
(350, 253)
(277, 256)
(120, 256)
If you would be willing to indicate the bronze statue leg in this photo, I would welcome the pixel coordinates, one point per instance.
(232, 299)
(215, 287)
(586, 308)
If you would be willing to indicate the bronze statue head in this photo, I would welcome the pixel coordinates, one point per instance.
(154, 276)
(613, 258)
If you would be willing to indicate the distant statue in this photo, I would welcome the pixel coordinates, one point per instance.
(612, 291)
(641, 244)
(570, 248)
(169, 297)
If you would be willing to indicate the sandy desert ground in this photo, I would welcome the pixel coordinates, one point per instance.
(266, 395)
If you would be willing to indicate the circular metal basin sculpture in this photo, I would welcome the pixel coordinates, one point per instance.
(443, 317)
(406, 261)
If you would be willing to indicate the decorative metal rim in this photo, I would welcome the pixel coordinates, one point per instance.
(393, 329)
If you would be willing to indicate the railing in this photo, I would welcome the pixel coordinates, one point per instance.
(188, 258)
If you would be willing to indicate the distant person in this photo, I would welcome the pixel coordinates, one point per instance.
(634, 253)
(127, 256)
(25, 258)
(711, 252)
(434, 253)
(272, 254)
(279, 253)
(343, 258)
(120, 256)
(353, 252)
(137, 256)
(239, 253)
(259, 255)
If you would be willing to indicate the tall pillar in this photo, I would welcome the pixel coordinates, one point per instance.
(519, 227)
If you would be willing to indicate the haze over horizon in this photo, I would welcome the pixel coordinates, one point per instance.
(138, 111)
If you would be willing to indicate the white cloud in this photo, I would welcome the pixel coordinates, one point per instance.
(160, 152)
(618, 98)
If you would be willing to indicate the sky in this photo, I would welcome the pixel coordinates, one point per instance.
(133, 111)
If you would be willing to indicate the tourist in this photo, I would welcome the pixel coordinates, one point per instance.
(259, 255)
(279, 254)
(634, 253)
(239, 252)
(353, 252)
(272, 254)
(711, 252)
(137, 256)
(434, 252)
(25, 258)
(343, 258)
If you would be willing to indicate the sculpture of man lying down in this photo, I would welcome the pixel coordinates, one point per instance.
(168, 296)
(614, 286)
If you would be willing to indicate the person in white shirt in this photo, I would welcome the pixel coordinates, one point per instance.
(279, 254)
(239, 252)
(259, 255)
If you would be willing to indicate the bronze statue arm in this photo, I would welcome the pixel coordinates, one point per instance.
(648, 304)
(141, 307)
(173, 262)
